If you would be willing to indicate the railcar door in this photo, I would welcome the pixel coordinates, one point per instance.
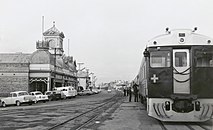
(181, 71)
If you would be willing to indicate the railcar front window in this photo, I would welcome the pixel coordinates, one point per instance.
(204, 59)
(160, 59)
(180, 59)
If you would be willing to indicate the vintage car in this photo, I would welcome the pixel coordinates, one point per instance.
(85, 92)
(96, 91)
(17, 98)
(39, 96)
(69, 91)
(55, 95)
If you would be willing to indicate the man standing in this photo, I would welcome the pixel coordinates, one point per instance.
(124, 91)
(130, 93)
(135, 89)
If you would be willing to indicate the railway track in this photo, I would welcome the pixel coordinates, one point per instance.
(83, 119)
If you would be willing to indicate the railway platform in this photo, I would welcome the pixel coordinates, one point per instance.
(129, 116)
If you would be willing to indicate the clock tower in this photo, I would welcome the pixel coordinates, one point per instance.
(55, 39)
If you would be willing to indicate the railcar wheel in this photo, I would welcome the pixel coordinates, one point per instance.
(18, 103)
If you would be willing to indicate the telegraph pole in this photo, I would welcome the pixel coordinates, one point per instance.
(68, 47)
(42, 29)
(54, 81)
(79, 66)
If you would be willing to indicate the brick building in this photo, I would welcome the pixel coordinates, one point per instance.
(14, 72)
(42, 70)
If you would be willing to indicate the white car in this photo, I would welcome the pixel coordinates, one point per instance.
(96, 90)
(39, 96)
(69, 91)
(17, 98)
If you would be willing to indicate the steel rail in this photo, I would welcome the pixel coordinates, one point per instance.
(84, 113)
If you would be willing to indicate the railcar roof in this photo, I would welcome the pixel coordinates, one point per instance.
(180, 37)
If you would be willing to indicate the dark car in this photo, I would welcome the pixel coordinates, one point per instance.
(55, 95)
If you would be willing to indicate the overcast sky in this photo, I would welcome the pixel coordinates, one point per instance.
(108, 36)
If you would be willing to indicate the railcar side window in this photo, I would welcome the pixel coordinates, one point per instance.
(180, 59)
(160, 59)
(204, 59)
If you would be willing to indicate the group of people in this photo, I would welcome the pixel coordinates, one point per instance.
(128, 92)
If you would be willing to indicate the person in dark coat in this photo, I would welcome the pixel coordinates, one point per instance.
(124, 91)
(127, 91)
(135, 89)
(130, 93)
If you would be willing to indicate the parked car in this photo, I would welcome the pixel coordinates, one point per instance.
(17, 98)
(85, 92)
(40, 97)
(109, 90)
(55, 95)
(96, 91)
(69, 91)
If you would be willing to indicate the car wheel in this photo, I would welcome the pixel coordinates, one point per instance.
(18, 103)
(3, 104)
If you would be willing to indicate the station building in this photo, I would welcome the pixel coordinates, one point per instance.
(41, 70)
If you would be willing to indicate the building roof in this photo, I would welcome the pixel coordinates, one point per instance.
(53, 31)
(41, 57)
(14, 57)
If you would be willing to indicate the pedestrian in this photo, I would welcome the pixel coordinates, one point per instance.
(135, 89)
(130, 94)
(125, 91)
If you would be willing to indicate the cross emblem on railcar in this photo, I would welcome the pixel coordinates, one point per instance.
(154, 78)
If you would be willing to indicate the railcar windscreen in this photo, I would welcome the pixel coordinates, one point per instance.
(160, 59)
(180, 59)
(204, 58)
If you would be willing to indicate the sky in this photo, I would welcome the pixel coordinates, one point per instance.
(108, 36)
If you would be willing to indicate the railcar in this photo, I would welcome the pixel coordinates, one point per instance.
(176, 76)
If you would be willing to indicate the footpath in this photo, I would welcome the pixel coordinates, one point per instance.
(129, 116)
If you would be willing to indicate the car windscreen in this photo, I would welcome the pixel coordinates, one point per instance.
(22, 93)
(38, 93)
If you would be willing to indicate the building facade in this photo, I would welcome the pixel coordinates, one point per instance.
(42, 70)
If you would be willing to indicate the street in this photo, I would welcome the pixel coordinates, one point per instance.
(122, 115)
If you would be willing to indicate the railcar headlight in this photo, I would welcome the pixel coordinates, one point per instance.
(197, 106)
(181, 40)
(167, 105)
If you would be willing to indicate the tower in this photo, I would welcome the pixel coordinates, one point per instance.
(55, 39)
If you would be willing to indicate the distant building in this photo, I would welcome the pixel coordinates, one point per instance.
(83, 80)
(42, 70)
